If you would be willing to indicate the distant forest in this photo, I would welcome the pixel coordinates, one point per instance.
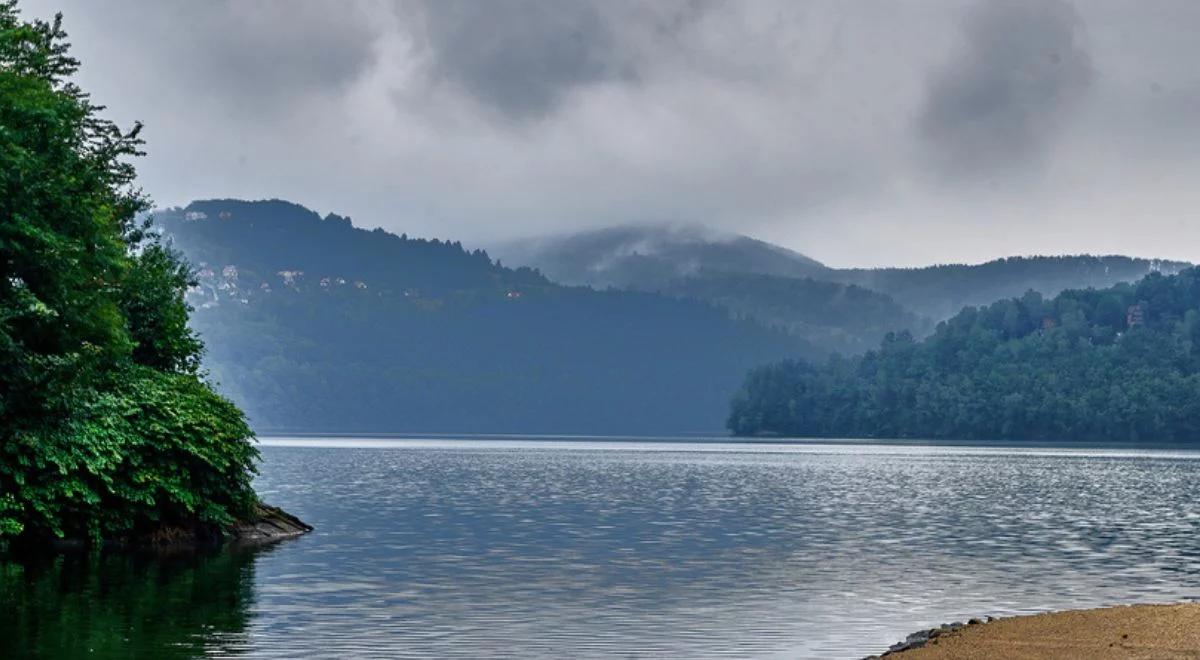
(314, 325)
(1118, 364)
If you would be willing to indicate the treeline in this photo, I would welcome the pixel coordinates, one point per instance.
(1118, 364)
(265, 237)
(938, 292)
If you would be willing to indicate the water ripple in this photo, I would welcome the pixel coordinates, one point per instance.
(549, 548)
(544, 549)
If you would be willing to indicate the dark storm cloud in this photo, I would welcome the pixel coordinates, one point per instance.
(520, 56)
(1022, 71)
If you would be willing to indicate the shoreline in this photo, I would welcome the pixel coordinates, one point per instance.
(283, 438)
(266, 526)
(1168, 630)
(269, 525)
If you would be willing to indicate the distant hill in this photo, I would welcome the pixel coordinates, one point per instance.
(749, 277)
(646, 257)
(938, 292)
(263, 238)
(315, 325)
(1117, 364)
(845, 318)
(701, 263)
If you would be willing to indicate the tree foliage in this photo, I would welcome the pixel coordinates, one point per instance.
(1119, 364)
(105, 427)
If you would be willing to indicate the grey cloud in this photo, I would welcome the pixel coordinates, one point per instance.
(251, 57)
(318, 48)
(1004, 98)
(518, 56)
(840, 129)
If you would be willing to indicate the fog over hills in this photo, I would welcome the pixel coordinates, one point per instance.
(642, 256)
(749, 277)
(663, 257)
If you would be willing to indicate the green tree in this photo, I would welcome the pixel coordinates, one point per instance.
(156, 314)
(106, 429)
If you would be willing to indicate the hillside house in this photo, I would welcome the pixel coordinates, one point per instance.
(289, 277)
(1135, 316)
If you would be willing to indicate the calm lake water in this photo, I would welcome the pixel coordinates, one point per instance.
(542, 548)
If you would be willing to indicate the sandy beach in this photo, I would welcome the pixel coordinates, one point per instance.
(1138, 631)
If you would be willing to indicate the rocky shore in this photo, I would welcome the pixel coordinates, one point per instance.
(1130, 631)
(269, 524)
(266, 524)
(922, 637)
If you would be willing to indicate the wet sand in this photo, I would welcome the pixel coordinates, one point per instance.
(1138, 631)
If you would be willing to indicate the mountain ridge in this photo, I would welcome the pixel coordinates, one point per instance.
(606, 258)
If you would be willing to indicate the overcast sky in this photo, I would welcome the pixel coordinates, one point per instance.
(859, 133)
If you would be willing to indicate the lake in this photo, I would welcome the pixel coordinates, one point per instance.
(551, 548)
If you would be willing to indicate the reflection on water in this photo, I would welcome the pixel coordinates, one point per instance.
(527, 549)
(120, 605)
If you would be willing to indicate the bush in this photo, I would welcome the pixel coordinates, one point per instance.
(152, 450)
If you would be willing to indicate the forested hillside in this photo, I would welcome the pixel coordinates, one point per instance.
(312, 324)
(1119, 364)
(263, 238)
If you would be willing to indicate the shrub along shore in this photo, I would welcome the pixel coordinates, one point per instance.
(109, 429)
